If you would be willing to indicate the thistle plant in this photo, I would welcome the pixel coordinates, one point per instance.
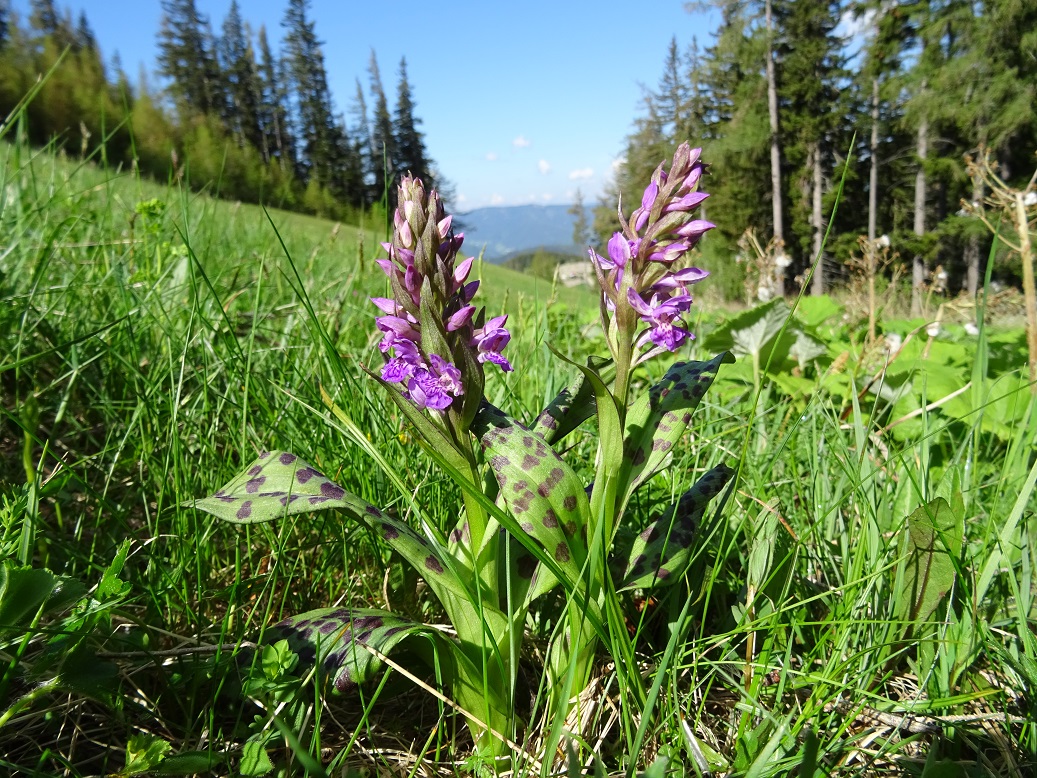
(534, 525)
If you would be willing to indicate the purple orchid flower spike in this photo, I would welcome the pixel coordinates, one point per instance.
(421, 263)
(644, 280)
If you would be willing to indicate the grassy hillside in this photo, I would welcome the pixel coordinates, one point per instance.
(862, 603)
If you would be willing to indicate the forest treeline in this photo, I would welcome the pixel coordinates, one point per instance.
(234, 115)
(787, 101)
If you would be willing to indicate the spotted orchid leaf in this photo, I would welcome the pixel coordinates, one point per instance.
(543, 494)
(336, 641)
(279, 484)
(663, 550)
(574, 404)
(659, 418)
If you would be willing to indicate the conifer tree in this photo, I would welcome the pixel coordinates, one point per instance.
(187, 58)
(809, 71)
(361, 135)
(5, 21)
(238, 65)
(43, 18)
(411, 156)
(383, 143)
(581, 233)
(272, 108)
(326, 155)
(85, 38)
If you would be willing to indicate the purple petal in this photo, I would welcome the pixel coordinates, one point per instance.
(385, 304)
(694, 228)
(460, 319)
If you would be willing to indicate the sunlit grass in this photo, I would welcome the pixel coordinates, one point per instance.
(148, 353)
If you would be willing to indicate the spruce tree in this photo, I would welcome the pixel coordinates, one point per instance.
(43, 18)
(809, 76)
(238, 65)
(187, 57)
(383, 143)
(326, 155)
(361, 135)
(5, 21)
(272, 108)
(411, 156)
(581, 231)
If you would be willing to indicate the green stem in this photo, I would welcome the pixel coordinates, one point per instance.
(25, 700)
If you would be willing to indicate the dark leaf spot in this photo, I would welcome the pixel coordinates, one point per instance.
(333, 491)
(245, 510)
(433, 564)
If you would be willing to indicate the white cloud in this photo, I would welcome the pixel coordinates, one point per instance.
(491, 156)
(521, 142)
(617, 163)
(581, 174)
(496, 199)
(544, 166)
(547, 197)
(462, 199)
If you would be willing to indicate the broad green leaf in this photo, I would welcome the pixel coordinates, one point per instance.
(933, 542)
(574, 404)
(333, 640)
(815, 310)
(753, 332)
(541, 491)
(659, 418)
(23, 590)
(663, 551)
(145, 752)
(806, 348)
(278, 484)
(254, 759)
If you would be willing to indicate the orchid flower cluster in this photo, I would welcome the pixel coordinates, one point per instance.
(640, 280)
(430, 327)
(528, 523)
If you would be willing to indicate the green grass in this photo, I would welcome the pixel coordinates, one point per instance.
(146, 358)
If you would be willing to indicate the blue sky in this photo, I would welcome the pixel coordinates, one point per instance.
(521, 102)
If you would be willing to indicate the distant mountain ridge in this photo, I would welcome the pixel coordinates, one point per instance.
(507, 230)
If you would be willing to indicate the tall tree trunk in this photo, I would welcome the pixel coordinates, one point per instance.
(873, 207)
(972, 252)
(918, 264)
(817, 286)
(772, 107)
(873, 173)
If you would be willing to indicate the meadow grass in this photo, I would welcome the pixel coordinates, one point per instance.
(153, 340)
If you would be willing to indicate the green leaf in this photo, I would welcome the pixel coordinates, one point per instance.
(144, 753)
(752, 332)
(23, 590)
(111, 586)
(254, 759)
(659, 418)
(933, 542)
(278, 484)
(541, 491)
(662, 552)
(190, 763)
(574, 404)
(333, 640)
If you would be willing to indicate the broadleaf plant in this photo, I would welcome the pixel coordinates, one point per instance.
(528, 524)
